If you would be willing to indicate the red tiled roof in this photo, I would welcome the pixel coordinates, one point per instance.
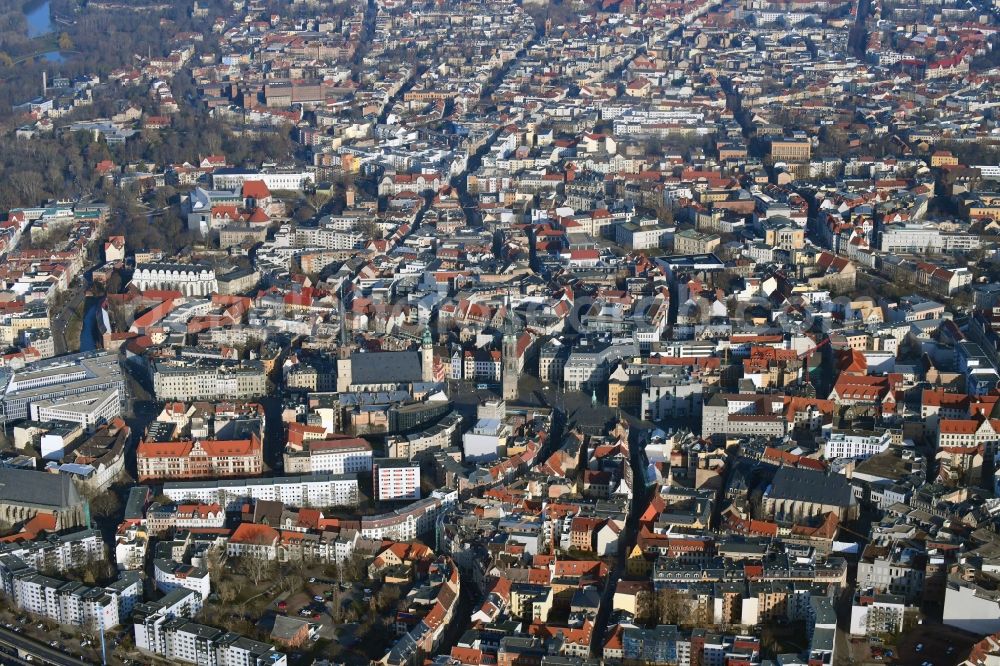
(256, 189)
(254, 534)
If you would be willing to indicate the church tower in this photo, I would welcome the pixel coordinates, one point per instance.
(345, 368)
(427, 356)
(510, 367)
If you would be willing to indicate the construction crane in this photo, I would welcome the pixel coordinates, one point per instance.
(807, 354)
(804, 358)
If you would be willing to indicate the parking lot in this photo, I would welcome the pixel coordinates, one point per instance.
(868, 651)
(325, 603)
(934, 644)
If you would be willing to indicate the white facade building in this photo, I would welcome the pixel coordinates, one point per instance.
(317, 490)
(482, 442)
(233, 179)
(407, 523)
(58, 553)
(209, 381)
(189, 279)
(170, 575)
(89, 410)
(70, 602)
(344, 456)
(971, 608)
(395, 479)
(873, 614)
(857, 445)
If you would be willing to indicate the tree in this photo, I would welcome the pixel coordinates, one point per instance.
(387, 597)
(228, 591)
(213, 562)
(292, 578)
(371, 229)
(354, 569)
(332, 571)
(105, 505)
(671, 607)
(65, 42)
(257, 569)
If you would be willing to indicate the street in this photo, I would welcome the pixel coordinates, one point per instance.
(62, 319)
(39, 651)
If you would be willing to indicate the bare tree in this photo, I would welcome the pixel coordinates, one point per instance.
(671, 607)
(387, 597)
(227, 591)
(257, 569)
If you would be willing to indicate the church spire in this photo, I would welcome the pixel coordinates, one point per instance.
(511, 368)
(342, 313)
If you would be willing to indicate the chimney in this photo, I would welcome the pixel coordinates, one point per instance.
(350, 196)
(45, 83)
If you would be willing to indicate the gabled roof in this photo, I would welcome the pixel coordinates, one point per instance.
(254, 534)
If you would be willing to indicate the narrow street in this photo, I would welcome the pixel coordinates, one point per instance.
(460, 182)
(640, 498)
(64, 318)
(469, 594)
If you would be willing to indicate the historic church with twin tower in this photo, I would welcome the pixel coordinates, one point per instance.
(359, 371)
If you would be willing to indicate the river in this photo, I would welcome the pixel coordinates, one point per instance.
(39, 18)
(90, 332)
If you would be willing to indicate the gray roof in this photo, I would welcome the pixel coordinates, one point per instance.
(135, 507)
(804, 485)
(385, 367)
(37, 489)
(286, 628)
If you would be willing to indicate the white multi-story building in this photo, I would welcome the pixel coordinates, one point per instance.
(188, 642)
(189, 279)
(396, 479)
(671, 395)
(873, 614)
(327, 238)
(971, 607)
(204, 380)
(643, 235)
(70, 602)
(857, 445)
(483, 441)
(58, 553)
(441, 435)
(233, 179)
(407, 523)
(131, 544)
(89, 410)
(60, 378)
(348, 455)
(316, 490)
(150, 617)
(899, 571)
(170, 575)
(65, 602)
(923, 238)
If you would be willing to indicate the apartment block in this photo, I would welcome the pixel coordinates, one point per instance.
(396, 479)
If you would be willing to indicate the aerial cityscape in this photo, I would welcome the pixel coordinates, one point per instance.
(500, 333)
